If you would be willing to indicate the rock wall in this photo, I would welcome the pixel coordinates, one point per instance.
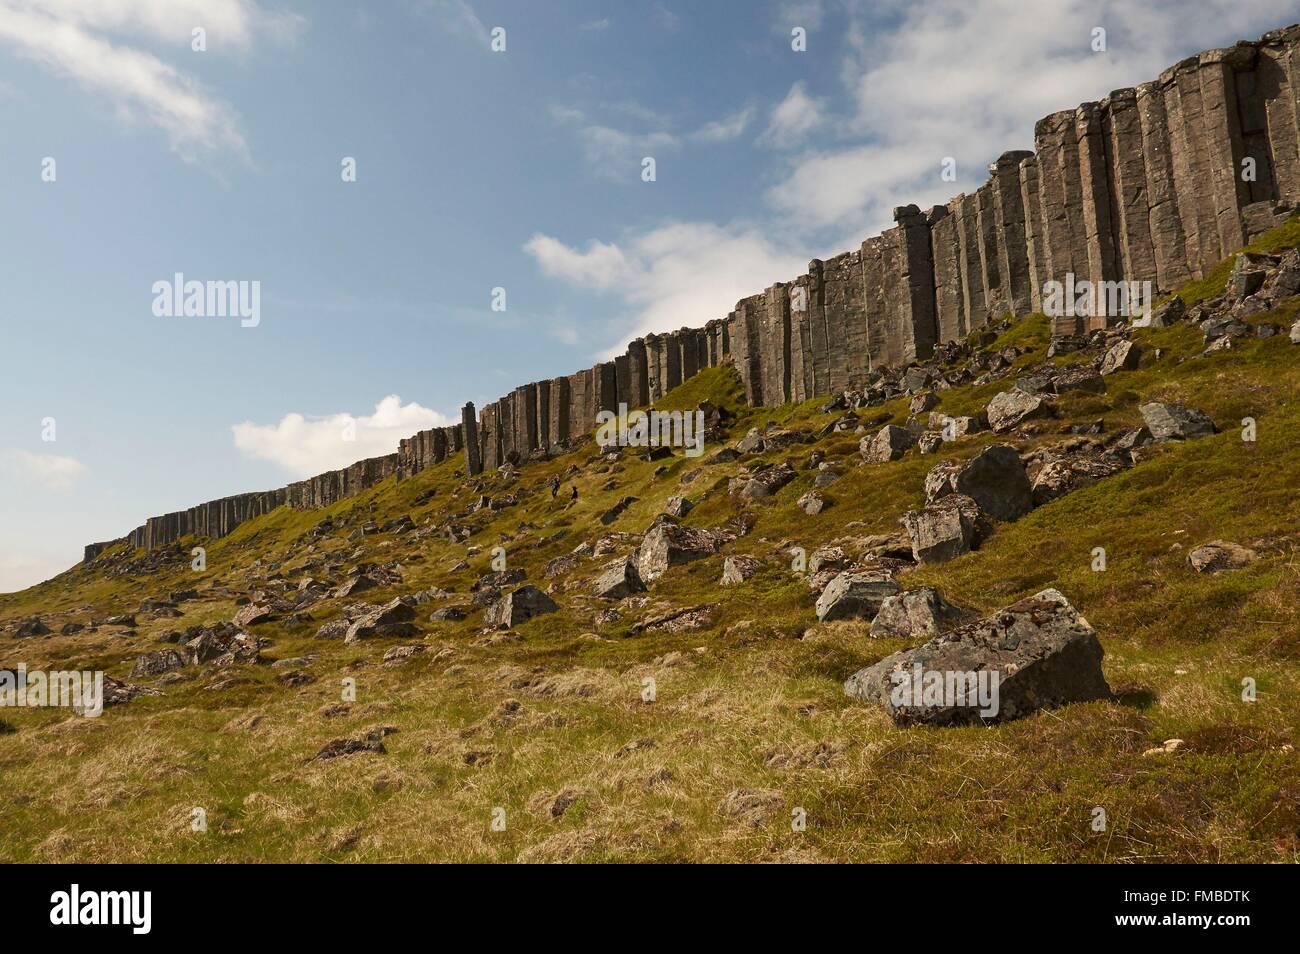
(1148, 184)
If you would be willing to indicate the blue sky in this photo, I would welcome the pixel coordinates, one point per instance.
(475, 169)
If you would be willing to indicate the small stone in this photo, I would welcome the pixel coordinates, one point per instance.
(1220, 555)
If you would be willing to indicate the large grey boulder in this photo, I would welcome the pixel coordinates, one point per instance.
(668, 544)
(1175, 422)
(855, 595)
(768, 481)
(1122, 356)
(889, 443)
(994, 478)
(1014, 407)
(392, 619)
(618, 580)
(1071, 472)
(517, 607)
(921, 613)
(946, 529)
(1036, 654)
(156, 663)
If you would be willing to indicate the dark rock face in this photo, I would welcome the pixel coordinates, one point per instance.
(32, 627)
(156, 663)
(518, 607)
(618, 580)
(946, 529)
(921, 613)
(1220, 555)
(768, 481)
(855, 595)
(995, 479)
(1042, 652)
(1176, 422)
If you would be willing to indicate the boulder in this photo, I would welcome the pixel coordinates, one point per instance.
(32, 627)
(1078, 377)
(1072, 472)
(669, 544)
(1122, 356)
(614, 512)
(751, 443)
(618, 580)
(1014, 407)
(889, 443)
(827, 558)
(517, 607)
(1170, 422)
(946, 529)
(678, 507)
(392, 619)
(768, 481)
(812, 503)
(994, 478)
(334, 629)
(1036, 654)
(855, 595)
(952, 428)
(1163, 315)
(920, 613)
(1220, 555)
(738, 569)
(156, 663)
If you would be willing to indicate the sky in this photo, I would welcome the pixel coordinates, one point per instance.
(135, 148)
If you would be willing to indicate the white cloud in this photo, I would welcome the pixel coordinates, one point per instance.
(968, 79)
(71, 38)
(793, 119)
(596, 25)
(304, 446)
(800, 13)
(681, 273)
(50, 471)
(726, 129)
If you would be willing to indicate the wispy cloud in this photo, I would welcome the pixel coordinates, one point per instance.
(456, 17)
(793, 119)
(304, 446)
(50, 471)
(95, 43)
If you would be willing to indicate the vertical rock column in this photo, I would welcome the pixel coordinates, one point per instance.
(1126, 154)
(1009, 211)
(872, 259)
(1278, 85)
(1029, 199)
(473, 454)
(1168, 240)
(1223, 140)
(945, 251)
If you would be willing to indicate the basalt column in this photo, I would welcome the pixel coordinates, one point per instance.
(1168, 239)
(1030, 200)
(1009, 211)
(473, 454)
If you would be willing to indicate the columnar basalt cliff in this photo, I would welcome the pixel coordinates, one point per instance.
(1152, 184)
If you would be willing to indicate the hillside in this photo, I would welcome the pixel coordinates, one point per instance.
(549, 718)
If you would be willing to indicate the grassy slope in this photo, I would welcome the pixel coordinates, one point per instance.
(755, 702)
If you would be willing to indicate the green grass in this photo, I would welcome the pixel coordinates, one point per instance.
(752, 702)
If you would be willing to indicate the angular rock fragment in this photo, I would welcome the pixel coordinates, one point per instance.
(889, 443)
(1170, 422)
(994, 478)
(812, 503)
(1220, 555)
(678, 507)
(669, 544)
(1122, 356)
(156, 663)
(1072, 472)
(768, 481)
(1036, 654)
(946, 529)
(920, 613)
(518, 607)
(1014, 407)
(392, 619)
(738, 569)
(855, 595)
(618, 580)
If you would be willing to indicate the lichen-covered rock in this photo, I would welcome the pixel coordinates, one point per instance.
(668, 544)
(1036, 654)
(392, 619)
(946, 529)
(517, 607)
(889, 443)
(812, 503)
(1219, 555)
(738, 569)
(994, 478)
(1014, 407)
(618, 580)
(920, 613)
(156, 663)
(1072, 472)
(1175, 422)
(678, 507)
(1122, 356)
(855, 595)
(768, 481)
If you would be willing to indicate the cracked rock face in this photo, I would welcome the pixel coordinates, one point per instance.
(1043, 653)
(946, 529)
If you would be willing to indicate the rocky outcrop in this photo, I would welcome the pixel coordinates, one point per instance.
(1139, 186)
(1036, 654)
